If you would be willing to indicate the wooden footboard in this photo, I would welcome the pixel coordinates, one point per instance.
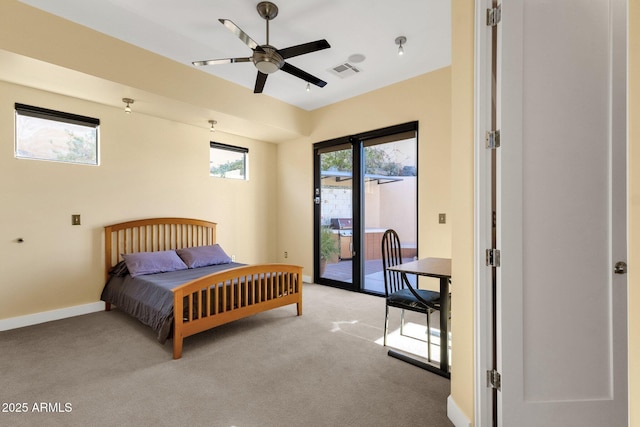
(233, 294)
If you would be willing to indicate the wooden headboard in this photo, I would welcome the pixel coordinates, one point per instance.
(155, 234)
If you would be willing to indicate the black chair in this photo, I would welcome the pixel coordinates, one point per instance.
(398, 291)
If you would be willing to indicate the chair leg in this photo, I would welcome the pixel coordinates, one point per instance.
(402, 322)
(386, 325)
(429, 335)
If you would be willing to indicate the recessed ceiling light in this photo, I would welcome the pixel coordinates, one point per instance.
(356, 58)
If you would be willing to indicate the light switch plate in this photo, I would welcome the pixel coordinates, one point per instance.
(75, 219)
(442, 218)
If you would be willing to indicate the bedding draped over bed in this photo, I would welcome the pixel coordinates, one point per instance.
(149, 298)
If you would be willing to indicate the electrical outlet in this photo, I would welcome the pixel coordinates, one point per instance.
(75, 219)
(442, 218)
(286, 254)
(233, 258)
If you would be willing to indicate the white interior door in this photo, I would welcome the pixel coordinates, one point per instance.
(561, 213)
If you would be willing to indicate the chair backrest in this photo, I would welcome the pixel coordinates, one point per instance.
(391, 255)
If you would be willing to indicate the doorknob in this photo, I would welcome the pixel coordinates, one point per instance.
(620, 267)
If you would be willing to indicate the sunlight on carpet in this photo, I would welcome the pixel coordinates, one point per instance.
(414, 341)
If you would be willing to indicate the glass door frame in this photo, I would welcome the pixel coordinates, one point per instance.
(357, 143)
(356, 155)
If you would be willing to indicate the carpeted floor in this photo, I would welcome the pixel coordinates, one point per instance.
(274, 369)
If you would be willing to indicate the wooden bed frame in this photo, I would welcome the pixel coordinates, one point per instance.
(256, 288)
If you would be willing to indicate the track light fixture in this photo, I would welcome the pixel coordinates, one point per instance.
(400, 41)
(213, 124)
(127, 101)
(308, 87)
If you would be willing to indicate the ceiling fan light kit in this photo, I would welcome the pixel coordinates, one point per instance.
(266, 58)
(268, 61)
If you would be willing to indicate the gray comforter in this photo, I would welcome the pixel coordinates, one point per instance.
(149, 298)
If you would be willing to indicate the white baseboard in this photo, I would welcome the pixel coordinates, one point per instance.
(306, 279)
(48, 316)
(456, 416)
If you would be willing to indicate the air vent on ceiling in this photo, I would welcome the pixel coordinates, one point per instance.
(345, 70)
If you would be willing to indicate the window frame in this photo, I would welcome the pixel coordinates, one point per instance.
(231, 149)
(24, 110)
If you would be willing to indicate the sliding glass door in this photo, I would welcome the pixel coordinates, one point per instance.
(335, 198)
(390, 194)
(364, 185)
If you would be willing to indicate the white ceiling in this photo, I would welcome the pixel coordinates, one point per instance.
(188, 30)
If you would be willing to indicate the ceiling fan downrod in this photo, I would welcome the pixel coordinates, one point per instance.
(267, 11)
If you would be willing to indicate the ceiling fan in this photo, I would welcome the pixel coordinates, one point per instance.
(267, 58)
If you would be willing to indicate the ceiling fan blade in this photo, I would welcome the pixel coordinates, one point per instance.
(301, 49)
(260, 81)
(239, 33)
(220, 61)
(294, 71)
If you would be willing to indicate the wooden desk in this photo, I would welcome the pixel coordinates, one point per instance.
(441, 269)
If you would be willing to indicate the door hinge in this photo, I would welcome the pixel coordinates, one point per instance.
(492, 139)
(494, 15)
(494, 379)
(493, 257)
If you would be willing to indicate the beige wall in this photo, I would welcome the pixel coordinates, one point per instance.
(462, 188)
(426, 99)
(634, 212)
(153, 162)
(168, 123)
(149, 167)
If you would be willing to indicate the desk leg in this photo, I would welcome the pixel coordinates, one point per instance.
(419, 364)
(444, 321)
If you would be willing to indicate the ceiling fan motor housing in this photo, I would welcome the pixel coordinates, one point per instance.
(267, 60)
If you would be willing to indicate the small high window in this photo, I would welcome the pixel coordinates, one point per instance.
(43, 134)
(228, 161)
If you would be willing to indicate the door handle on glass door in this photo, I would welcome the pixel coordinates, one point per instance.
(620, 267)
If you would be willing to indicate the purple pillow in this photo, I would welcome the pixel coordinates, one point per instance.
(153, 262)
(201, 256)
